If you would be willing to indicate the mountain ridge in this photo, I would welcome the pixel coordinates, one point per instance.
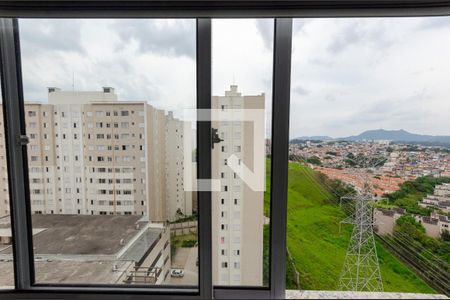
(400, 135)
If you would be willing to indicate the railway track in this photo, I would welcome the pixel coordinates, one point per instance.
(433, 275)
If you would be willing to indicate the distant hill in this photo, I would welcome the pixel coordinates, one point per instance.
(398, 136)
(382, 134)
(313, 138)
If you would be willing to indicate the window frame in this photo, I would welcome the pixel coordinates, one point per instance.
(20, 204)
(203, 11)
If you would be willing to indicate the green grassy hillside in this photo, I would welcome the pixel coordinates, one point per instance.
(316, 245)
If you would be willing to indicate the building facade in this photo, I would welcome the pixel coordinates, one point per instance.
(90, 154)
(385, 220)
(440, 199)
(237, 210)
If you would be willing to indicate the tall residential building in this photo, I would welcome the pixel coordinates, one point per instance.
(179, 201)
(237, 210)
(4, 194)
(92, 154)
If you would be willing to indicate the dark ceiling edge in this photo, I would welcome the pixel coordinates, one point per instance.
(222, 8)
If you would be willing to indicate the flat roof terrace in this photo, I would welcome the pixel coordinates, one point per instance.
(82, 234)
(83, 249)
(68, 271)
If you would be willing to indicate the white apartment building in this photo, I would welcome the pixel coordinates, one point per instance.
(42, 157)
(179, 202)
(4, 193)
(440, 199)
(237, 210)
(92, 154)
(385, 220)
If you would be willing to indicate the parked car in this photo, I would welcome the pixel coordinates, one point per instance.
(177, 273)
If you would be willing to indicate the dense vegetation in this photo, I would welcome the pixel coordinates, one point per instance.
(314, 160)
(290, 269)
(362, 161)
(188, 240)
(317, 244)
(336, 188)
(411, 192)
(182, 218)
(412, 232)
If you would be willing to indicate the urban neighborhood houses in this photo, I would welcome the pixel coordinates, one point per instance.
(385, 219)
(383, 167)
(439, 200)
(381, 164)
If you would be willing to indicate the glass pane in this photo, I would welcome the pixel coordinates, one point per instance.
(241, 103)
(6, 257)
(369, 155)
(109, 149)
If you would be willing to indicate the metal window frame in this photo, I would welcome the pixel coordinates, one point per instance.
(24, 260)
(204, 139)
(14, 120)
(202, 10)
(222, 8)
(16, 153)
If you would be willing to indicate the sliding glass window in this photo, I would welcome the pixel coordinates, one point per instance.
(369, 155)
(329, 175)
(6, 256)
(242, 60)
(111, 153)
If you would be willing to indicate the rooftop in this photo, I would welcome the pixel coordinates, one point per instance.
(142, 246)
(84, 249)
(81, 235)
(68, 271)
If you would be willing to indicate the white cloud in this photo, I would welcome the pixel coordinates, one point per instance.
(348, 75)
(241, 54)
(101, 55)
(369, 73)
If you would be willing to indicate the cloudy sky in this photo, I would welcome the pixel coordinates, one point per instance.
(348, 75)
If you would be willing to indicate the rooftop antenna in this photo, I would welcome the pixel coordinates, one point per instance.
(234, 81)
(73, 81)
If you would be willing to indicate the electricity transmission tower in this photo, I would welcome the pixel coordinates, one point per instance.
(361, 270)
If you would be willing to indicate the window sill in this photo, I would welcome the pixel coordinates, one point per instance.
(299, 294)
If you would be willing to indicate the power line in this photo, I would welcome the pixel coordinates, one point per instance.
(361, 270)
(433, 278)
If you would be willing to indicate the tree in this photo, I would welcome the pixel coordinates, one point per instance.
(407, 225)
(411, 192)
(445, 236)
(314, 160)
(179, 213)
